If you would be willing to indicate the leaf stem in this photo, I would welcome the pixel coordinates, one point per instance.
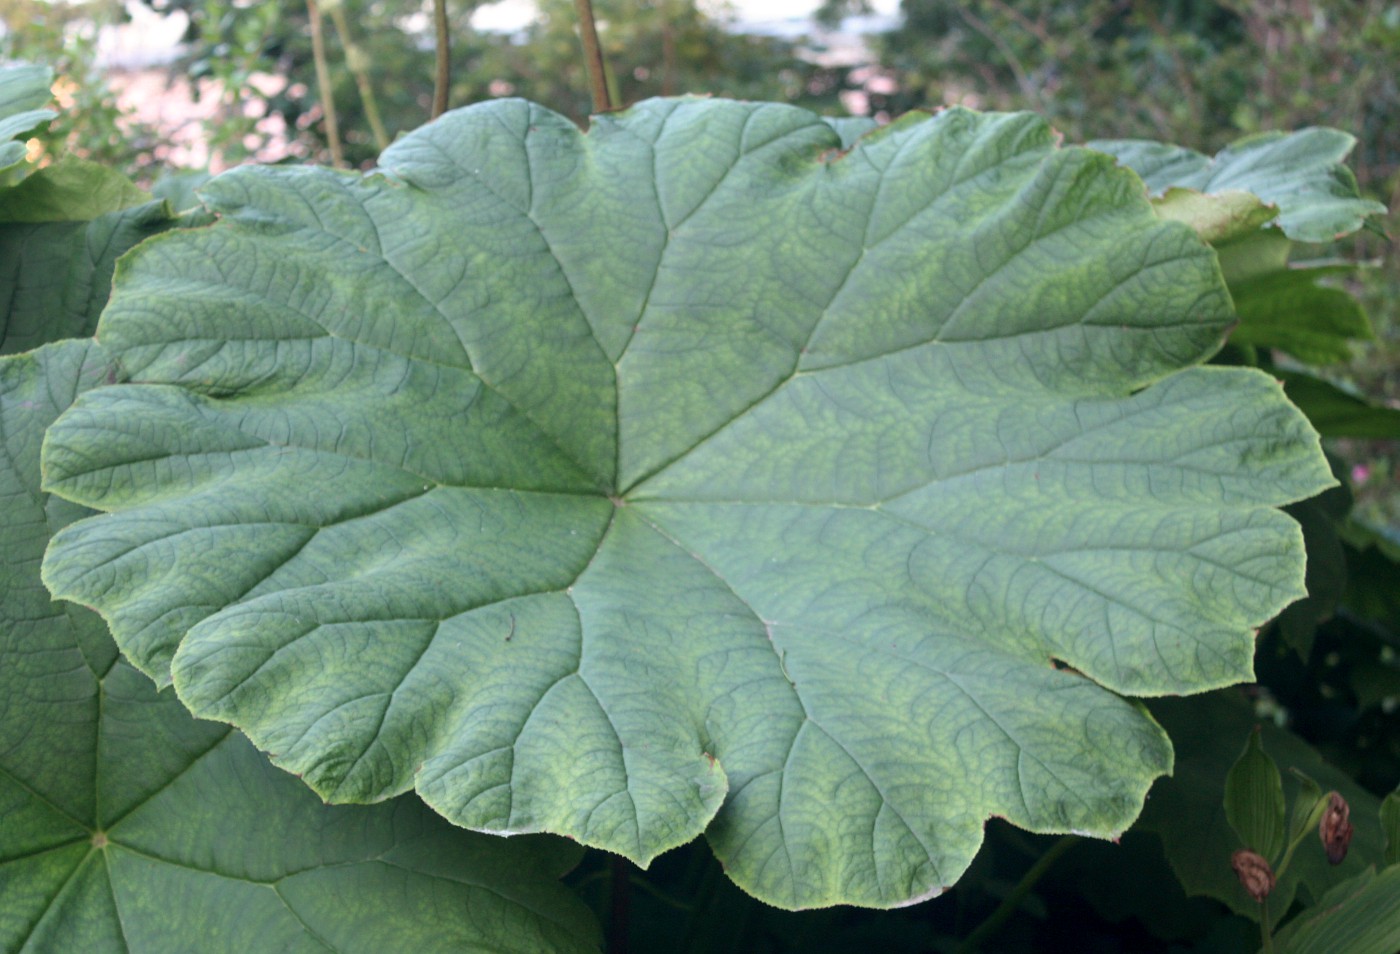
(593, 57)
(1013, 900)
(323, 80)
(442, 79)
(1265, 932)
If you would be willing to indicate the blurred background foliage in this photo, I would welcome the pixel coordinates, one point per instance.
(1198, 73)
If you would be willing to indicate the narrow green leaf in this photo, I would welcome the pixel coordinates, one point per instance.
(1254, 801)
(1305, 801)
(1390, 823)
(1360, 916)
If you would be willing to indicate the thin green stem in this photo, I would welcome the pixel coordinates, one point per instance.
(442, 80)
(1265, 931)
(323, 80)
(355, 59)
(593, 57)
(1012, 901)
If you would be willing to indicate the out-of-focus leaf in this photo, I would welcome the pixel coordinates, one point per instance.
(55, 276)
(1300, 178)
(1215, 218)
(692, 476)
(24, 91)
(1187, 813)
(1293, 311)
(1390, 823)
(70, 190)
(179, 189)
(1303, 173)
(1373, 565)
(1338, 413)
(850, 128)
(1306, 797)
(126, 825)
(1320, 518)
(1254, 801)
(1359, 916)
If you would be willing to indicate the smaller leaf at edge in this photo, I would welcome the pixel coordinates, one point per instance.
(1254, 800)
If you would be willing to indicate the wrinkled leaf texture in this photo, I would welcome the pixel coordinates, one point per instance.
(693, 475)
(127, 825)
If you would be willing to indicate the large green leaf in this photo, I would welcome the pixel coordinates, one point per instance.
(692, 475)
(1302, 173)
(127, 825)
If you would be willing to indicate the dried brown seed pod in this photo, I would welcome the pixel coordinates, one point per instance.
(1335, 828)
(1254, 873)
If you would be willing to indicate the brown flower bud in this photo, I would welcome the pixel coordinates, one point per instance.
(1335, 828)
(1254, 873)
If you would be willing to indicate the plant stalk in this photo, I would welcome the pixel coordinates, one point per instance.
(442, 79)
(355, 60)
(593, 57)
(1012, 901)
(323, 80)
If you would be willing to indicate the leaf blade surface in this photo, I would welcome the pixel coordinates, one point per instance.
(691, 476)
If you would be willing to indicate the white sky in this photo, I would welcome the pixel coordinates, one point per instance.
(152, 38)
(511, 15)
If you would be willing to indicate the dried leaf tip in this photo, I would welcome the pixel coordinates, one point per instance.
(1254, 873)
(1335, 828)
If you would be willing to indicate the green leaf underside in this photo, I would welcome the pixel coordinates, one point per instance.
(692, 476)
(127, 825)
(1303, 173)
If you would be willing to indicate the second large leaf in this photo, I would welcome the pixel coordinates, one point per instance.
(692, 475)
